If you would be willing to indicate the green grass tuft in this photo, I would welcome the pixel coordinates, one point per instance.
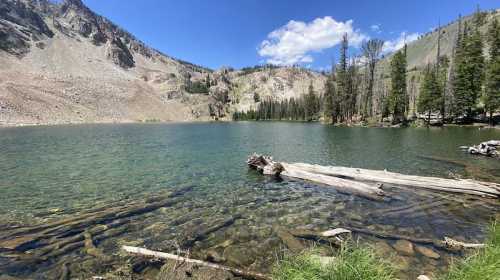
(350, 263)
(483, 264)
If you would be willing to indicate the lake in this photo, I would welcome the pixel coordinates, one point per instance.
(53, 173)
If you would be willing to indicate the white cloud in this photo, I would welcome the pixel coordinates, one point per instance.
(399, 43)
(376, 28)
(293, 42)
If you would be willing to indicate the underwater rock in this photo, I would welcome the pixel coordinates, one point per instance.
(239, 256)
(383, 248)
(402, 263)
(289, 240)
(405, 247)
(186, 271)
(428, 252)
(214, 256)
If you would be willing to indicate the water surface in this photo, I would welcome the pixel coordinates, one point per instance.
(50, 173)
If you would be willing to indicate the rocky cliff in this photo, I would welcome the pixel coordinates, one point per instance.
(62, 63)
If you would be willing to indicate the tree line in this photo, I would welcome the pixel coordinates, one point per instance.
(458, 90)
(306, 108)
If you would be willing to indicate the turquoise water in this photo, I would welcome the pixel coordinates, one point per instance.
(48, 173)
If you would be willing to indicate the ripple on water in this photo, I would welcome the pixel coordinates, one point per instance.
(56, 172)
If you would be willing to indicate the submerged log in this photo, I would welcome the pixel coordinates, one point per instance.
(354, 180)
(155, 254)
(37, 244)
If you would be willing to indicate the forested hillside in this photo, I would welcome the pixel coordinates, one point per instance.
(447, 75)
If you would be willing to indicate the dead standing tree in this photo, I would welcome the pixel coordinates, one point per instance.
(371, 51)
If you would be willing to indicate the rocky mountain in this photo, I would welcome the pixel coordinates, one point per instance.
(63, 63)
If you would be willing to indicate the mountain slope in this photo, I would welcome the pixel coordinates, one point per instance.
(63, 63)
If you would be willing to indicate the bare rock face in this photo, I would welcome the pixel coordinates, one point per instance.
(20, 26)
(120, 54)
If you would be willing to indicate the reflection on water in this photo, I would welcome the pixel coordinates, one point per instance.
(51, 173)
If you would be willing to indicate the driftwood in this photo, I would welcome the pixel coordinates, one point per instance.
(331, 237)
(352, 180)
(447, 244)
(488, 148)
(267, 166)
(40, 243)
(155, 254)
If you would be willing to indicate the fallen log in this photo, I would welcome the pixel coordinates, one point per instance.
(488, 148)
(155, 254)
(447, 244)
(432, 183)
(353, 180)
(267, 166)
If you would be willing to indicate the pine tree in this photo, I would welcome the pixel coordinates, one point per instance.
(329, 97)
(492, 85)
(342, 76)
(430, 98)
(468, 72)
(310, 104)
(397, 97)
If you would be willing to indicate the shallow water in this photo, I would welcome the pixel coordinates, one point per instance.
(50, 173)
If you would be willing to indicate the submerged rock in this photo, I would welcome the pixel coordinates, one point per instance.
(428, 252)
(405, 247)
(289, 240)
(383, 249)
(185, 271)
(239, 256)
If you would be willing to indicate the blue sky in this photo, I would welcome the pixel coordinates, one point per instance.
(242, 33)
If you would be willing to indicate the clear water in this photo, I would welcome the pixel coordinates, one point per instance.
(49, 173)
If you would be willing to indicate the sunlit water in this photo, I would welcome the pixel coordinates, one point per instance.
(48, 173)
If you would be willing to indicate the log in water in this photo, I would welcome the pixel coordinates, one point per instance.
(354, 180)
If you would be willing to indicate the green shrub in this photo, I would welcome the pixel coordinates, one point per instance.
(197, 88)
(350, 263)
(481, 265)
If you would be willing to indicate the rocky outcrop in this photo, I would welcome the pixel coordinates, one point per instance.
(119, 53)
(20, 25)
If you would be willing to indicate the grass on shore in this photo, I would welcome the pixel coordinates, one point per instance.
(351, 262)
(357, 263)
(484, 264)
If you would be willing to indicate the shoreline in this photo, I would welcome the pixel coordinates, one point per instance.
(378, 125)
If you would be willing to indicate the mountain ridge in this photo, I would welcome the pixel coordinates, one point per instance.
(63, 63)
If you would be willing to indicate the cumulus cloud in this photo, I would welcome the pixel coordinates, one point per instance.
(399, 43)
(294, 42)
(376, 28)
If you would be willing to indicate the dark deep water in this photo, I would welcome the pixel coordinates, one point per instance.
(51, 173)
